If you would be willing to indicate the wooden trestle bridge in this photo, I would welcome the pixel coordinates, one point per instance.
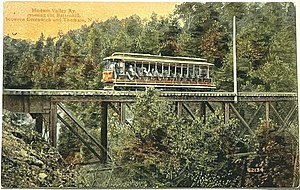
(43, 105)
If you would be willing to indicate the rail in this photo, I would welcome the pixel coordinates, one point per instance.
(50, 92)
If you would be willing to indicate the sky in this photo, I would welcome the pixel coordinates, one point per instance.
(27, 20)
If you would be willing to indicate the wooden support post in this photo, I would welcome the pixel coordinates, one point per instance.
(53, 124)
(122, 112)
(38, 122)
(203, 111)
(118, 111)
(268, 114)
(296, 172)
(179, 108)
(104, 114)
(226, 112)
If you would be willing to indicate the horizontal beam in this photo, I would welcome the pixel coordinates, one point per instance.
(49, 92)
(26, 104)
(10, 95)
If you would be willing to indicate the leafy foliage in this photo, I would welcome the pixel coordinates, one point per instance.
(275, 159)
(163, 150)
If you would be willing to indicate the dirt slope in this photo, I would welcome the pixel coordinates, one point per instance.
(28, 161)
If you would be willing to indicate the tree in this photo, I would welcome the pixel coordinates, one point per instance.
(276, 76)
(133, 26)
(197, 19)
(38, 51)
(214, 44)
(46, 75)
(149, 39)
(169, 41)
(26, 71)
(13, 51)
(49, 49)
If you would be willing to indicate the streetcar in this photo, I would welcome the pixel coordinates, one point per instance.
(127, 71)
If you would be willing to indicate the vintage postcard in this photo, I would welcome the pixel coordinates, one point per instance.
(149, 95)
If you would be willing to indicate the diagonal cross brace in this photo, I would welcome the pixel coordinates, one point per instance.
(277, 114)
(210, 107)
(251, 119)
(188, 110)
(79, 136)
(79, 124)
(288, 117)
(241, 119)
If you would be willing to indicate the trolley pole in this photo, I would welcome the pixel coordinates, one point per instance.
(234, 63)
(296, 181)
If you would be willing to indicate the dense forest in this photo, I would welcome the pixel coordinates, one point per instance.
(161, 149)
(265, 47)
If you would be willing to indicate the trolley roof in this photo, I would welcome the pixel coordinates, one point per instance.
(148, 58)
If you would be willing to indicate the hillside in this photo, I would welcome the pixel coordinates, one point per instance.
(28, 161)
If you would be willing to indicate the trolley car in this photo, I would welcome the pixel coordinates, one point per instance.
(138, 71)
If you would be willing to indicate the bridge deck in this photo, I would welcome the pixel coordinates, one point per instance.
(106, 95)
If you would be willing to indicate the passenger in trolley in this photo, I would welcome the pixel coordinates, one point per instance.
(131, 74)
